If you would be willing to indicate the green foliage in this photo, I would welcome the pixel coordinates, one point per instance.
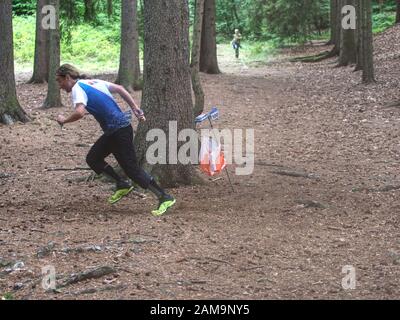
(91, 48)
(384, 15)
(7, 296)
(273, 19)
(24, 40)
(383, 21)
(24, 7)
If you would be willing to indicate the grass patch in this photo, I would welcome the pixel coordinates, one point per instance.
(92, 48)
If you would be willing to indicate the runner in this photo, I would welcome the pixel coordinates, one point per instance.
(95, 97)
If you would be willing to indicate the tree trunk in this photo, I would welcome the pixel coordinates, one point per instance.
(368, 63)
(10, 110)
(167, 89)
(41, 60)
(398, 11)
(338, 26)
(53, 98)
(359, 35)
(195, 64)
(333, 21)
(208, 51)
(89, 14)
(348, 42)
(129, 67)
(109, 8)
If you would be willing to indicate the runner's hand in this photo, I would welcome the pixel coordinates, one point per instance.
(60, 119)
(139, 114)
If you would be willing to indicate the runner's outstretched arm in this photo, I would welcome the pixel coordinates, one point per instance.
(115, 88)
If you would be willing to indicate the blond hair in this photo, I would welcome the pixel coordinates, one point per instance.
(68, 69)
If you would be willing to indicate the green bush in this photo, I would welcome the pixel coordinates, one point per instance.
(91, 48)
(382, 21)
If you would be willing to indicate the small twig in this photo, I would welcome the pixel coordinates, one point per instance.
(334, 228)
(106, 288)
(218, 260)
(68, 169)
(381, 189)
(251, 268)
(296, 174)
(37, 230)
(90, 274)
(394, 104)
(311, 204)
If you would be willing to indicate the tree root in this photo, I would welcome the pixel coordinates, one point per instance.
(315, 58)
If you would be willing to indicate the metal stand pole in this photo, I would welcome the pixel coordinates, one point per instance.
(226, 167)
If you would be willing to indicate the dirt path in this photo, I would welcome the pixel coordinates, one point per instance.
(277, 236)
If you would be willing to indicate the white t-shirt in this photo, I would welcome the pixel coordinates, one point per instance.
(79, 95)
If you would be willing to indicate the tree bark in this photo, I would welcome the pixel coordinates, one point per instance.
(53, 98)
(90, 11)
(208, 51)
(368, 63)
(109, 8)
(359, 35)
(333, 21)
(167, 89)
(338, 26)
(348, 42)
(41, 60)
(195, 64)
(129, 67)
(10, 109)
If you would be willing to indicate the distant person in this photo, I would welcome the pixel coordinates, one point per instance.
(95, 97)
(237, 37)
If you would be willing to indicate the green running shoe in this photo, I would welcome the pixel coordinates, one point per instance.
(119, 194)
(163, 206)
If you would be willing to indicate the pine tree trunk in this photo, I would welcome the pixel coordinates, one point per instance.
(53, 98)
(332, 22)
(359, 35)
(195, 64)
(129, 67)
(336, 25)
(167, 89)
(348, 43)
(109, 8)
(89, 14)
(10, 110)
(398, 11)
(208, 51)
(41, 60)
(368, 63)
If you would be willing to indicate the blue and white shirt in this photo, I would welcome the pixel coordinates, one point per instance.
(98, 101)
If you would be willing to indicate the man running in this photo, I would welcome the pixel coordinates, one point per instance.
(95, 97)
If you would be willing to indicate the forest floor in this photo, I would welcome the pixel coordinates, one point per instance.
(278, 236)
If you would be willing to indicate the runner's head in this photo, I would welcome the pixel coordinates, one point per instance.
(67, 75)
